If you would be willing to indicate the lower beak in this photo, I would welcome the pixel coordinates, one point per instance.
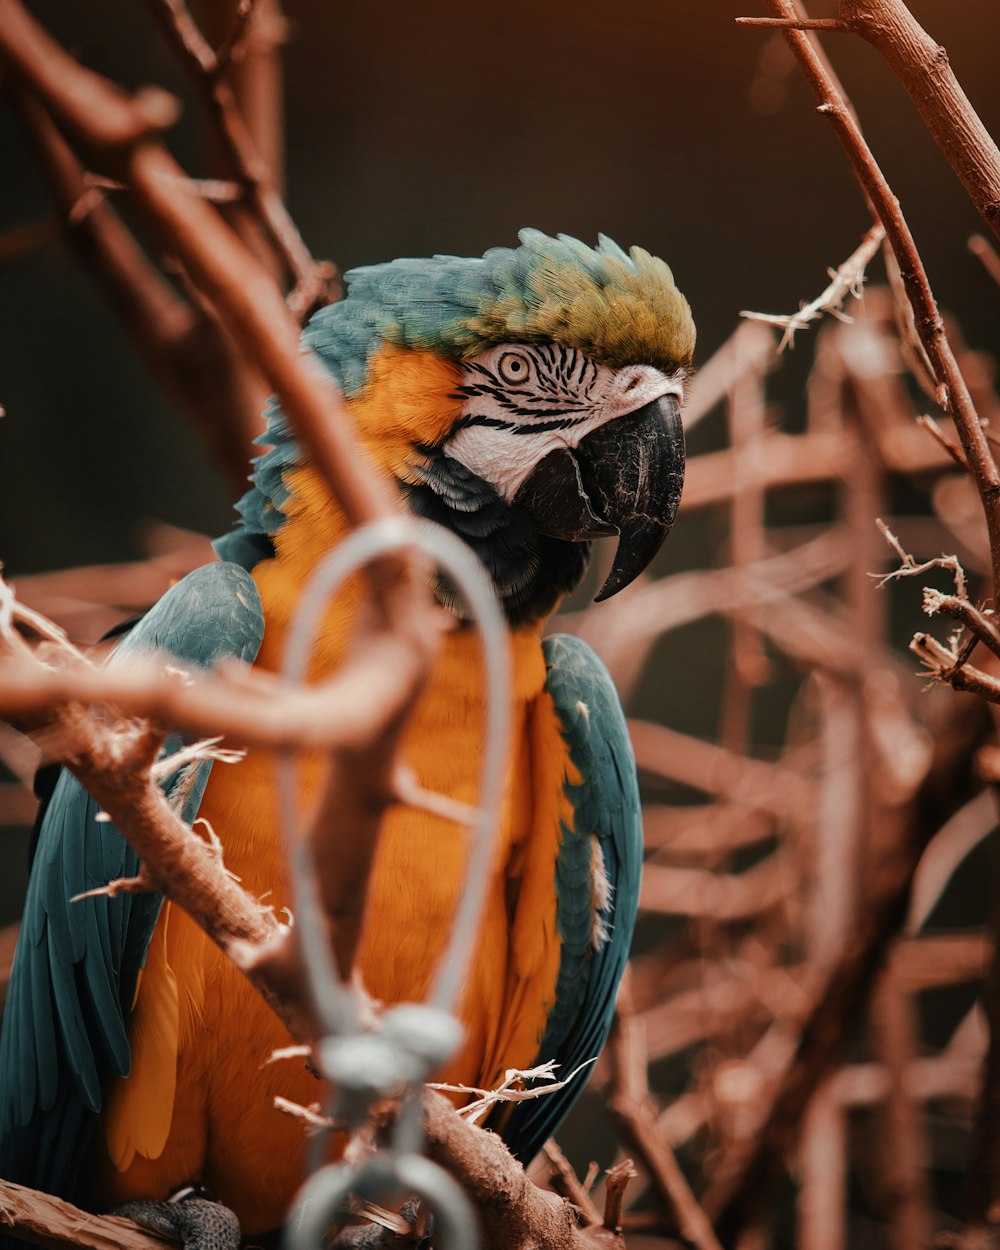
(625, 478)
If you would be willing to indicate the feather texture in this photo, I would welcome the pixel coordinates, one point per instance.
(77, 963)
(605, 820)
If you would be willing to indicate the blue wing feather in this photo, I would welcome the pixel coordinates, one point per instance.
(606, 815)
(76, 965)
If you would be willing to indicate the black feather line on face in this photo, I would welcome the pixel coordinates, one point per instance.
(530, 572)
(557, 380)
(497, 423)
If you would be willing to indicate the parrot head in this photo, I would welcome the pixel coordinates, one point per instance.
(528, 399)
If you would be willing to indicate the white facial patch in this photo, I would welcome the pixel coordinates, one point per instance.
(523, 401)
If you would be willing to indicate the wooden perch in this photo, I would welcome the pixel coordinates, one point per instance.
(514, 1213)
(46, 1221)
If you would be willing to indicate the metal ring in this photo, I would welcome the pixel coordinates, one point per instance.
(325, 1194)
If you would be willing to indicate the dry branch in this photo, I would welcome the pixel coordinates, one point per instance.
(249, 710)
(312, 281)
(118, 132)
(726, 898)
(46, 1221)
(923, 67)
(184, 347)
(953, 393)
(903, 1147)
(822, 1169)
(904, 831)
(983, 1183)
(743, 999)
(713, 769)
(565, 1181)
(748, 349)
(631, 1106)
(514, 1213)
(847, 280)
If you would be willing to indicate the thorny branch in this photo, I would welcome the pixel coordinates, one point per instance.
(953, 392)
(847, 280)
(949, 662)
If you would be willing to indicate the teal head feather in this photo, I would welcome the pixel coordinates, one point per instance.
(617, 307)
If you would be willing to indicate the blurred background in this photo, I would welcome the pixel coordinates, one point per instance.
(779, 726)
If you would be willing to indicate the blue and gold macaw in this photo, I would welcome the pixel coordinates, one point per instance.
(529, 400)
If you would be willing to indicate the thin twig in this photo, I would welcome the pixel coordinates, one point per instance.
(845, 281)
(833, 24)
(987, 253)
(564, 1181)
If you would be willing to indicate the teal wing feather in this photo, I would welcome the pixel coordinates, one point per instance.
(76, 966)
(598, 871)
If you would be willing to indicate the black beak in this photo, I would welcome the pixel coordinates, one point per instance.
(623, 479)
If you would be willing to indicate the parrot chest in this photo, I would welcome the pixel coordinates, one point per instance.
(224, 1127)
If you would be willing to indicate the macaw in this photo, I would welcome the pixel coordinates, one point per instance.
(529, 400)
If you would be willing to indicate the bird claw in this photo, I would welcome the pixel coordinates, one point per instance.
(198, 1223)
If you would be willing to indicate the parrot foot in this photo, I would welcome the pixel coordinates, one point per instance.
(199, 1222)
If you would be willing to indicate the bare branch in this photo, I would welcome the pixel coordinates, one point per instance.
(630, 1104)
(512, 1210)
(832, 24)
(46, 1221)
(847, 281)
(923, 67)
(618, 1179)
(982, 248)
(564, 1181)
(312, 280)
(184, 348)
(954, 392)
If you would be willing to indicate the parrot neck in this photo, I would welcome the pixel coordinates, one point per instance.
(313, 526)
(530, 571)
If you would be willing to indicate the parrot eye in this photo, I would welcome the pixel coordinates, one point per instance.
(513, 367)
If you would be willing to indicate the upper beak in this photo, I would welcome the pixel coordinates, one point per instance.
(625, 478)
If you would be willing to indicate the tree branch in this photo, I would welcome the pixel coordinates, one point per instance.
(923, 67)
(185, 348)
(312, 281)
(954, 394)
(46, 1221)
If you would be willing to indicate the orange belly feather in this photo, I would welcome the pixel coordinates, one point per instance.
(200, 1102)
